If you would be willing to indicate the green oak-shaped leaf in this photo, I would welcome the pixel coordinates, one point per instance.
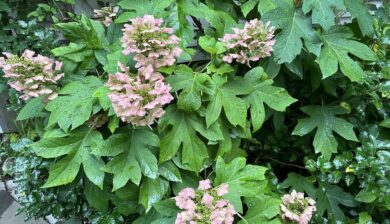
(323, 11)
(33, 108)
(324, 119)
(211, 45)
(299, 183)
(192, 85)
(132, 156)
(338, 44)
(181, 132)
(226, 97)
(360, 11)
(139, 8)
(74, 104)
(77, 147)
(275, 97)
(263, 6)
(294, 27)
(262, 209)
(243, 180)
(329, 200)
(152, 191)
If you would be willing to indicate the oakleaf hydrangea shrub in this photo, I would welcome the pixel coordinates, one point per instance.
(32, 75)
(152, 101)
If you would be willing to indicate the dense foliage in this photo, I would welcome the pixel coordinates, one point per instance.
(258, 98)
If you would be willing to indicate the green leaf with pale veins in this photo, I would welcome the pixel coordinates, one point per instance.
(33, 108)
(243, 180)
(74, 104)
(77, 147)
(294, 27)
(329, 200)
(193, 86)
(182, 129)
(275, 97)
(133, 156)
(324, 119)
(227, 97)
(323, 11)
(152, 191)
(338, 44)
(361, 13)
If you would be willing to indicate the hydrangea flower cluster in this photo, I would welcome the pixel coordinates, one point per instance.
(138, 99)
(155, 46)
(253, 42)
(106, 14)
(31, 75)
(297, 208)
(205, 205)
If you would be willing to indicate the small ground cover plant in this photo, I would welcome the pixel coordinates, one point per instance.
(283, 119)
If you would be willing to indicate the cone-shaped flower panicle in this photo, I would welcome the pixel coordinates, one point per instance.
(251, 43)
(31, 75)
(138, 100)
(154, 45)
(204, 205)
(106, 14)
(297, 208)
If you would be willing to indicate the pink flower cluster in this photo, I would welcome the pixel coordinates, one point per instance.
(154, 45)
(297, 208)
(205, 205)
(253, 42)
(31, 75)
(106, 14)
(139, 99)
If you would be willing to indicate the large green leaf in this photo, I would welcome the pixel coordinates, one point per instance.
(294, 27)
(77, 147)
(329, 200)
(177, 19)
(183, 132)
(133, 156)
(275, 97)
(86, 31)
(359, 11)
(335, 52)
(299, 183)
(226, 97)
(74, 104)
(263, 6)
(139, 8)
(152, 191)
(193, 86)
(323, 11)
(262, 209)
(33, 108)
(243, 180)
(324, 119)
(85, 36)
